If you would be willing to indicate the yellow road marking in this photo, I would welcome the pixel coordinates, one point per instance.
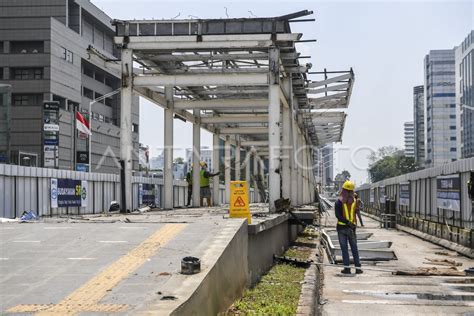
(87, 297)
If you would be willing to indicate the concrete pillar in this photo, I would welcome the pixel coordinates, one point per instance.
(286, 153)
(168, 142)
(227, 166)
(274, 128)
(237, 159)
(126, 140)
(255, 174)
(300, 169)
(294, 165)
(196, 158)
(215, 165)
(247, 172)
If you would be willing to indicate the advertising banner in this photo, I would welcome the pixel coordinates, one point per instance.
(448, 192)
(372, 196)
(382, 195)
(67, 192)
(405, 194)
(146, 194)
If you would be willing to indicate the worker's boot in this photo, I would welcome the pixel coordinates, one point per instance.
(346, 271)
(359, 270)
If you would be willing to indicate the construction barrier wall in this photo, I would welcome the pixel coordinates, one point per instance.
(422, 212)
(28, 189)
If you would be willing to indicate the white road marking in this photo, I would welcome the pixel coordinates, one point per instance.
(25, 241)
(4, 259)
(113, 241)
(57, 227)
(81, 258)
(7, 228)
(132, 227)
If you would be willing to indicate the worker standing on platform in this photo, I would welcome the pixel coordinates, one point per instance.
(189, 180)
(205, 175)
(359, 207)
(345, 209)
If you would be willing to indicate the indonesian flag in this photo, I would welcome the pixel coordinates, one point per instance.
(82, 124)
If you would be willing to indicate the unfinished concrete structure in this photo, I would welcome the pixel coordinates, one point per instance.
(242, 80)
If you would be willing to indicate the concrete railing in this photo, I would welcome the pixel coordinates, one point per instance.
(29, 188)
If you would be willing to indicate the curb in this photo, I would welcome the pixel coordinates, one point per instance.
(309, 297)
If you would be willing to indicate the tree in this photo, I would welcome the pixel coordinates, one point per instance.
(179, 160)
(390, 162)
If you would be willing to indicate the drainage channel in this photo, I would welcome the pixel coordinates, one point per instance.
(289, 284)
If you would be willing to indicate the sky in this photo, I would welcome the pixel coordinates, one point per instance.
(384, 42)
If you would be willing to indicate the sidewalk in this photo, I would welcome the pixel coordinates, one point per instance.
(381, 293)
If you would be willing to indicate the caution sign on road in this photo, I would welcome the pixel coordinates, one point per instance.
(239, 200)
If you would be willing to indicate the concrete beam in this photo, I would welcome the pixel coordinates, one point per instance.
(226, 119)
(237, 159)
(227, 79)
(250, 143)
(205, 42)
(246, 130)
(221, 104)
(316, 84)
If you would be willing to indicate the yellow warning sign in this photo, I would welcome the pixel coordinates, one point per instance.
(239, 200)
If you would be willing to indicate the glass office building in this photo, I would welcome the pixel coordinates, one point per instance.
(465, 96)
(440, 108)
(419, 123)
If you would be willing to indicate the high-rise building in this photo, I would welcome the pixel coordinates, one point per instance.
(409, 132)
(465, 97)
(419, 123)
(328, 164)
(55, 50)
(440, 107)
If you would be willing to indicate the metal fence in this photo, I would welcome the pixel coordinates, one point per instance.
(422, 211)
(29, 188)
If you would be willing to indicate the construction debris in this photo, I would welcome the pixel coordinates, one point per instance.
(443, 262)
(432, 271)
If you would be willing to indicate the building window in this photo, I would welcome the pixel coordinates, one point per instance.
(135, 128)
(26, 47)
(109, 102)
(27, 73)
(98, 95)
(452, 127)
(453, 138)
(88, 93)
(88, 72)
(1, 47)
(67, 55)
(1, 77)
(26, 99)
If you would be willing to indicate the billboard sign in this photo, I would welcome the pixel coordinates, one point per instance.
(405, 194)
(67, 192)
(448, 192)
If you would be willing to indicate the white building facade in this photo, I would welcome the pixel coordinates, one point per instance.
(409, 134)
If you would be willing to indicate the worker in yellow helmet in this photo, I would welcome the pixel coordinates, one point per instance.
(345, 208)
(205, 175)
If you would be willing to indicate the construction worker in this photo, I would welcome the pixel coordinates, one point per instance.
(359, 207)
(345, 209)
(204, 182)
(189, 180)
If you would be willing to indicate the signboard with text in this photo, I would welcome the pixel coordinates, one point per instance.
(67, 192)
(448, 192)
(405, 194)
(147, 194)
(50, 134)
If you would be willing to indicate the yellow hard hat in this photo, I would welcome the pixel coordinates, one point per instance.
(202, 163)
(348, 185)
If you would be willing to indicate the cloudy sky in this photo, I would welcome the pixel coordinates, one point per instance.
(383, 41)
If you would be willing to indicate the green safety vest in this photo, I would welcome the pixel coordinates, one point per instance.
(349, 215)
(203, 180)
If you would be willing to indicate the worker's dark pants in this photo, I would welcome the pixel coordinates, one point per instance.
(345, 235)
(190, 194)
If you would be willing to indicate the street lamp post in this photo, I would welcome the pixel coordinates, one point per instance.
(105, 96)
